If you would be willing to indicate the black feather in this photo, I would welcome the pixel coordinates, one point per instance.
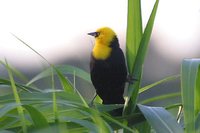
(109, 76)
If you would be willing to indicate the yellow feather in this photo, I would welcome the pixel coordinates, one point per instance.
(101, 52)
(101, 49)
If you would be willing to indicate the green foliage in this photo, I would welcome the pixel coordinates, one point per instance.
(160, 119)
(190, 82)
(134, 32)
(17, 98)
(54, 111)
(29, 108)
(135, 69)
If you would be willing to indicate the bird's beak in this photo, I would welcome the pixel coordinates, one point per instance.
(95, 34)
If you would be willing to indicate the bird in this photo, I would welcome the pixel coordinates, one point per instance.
(108, 67)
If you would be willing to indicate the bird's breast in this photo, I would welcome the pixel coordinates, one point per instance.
(101, 52)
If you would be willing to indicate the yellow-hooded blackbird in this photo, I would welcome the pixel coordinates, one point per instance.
(107, 66)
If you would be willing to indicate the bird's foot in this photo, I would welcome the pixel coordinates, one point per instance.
(130, 79)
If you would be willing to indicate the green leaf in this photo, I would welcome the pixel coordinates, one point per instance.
(160, 97)
(137, 68)
(134, 32)
(108, 107)
(38, 118)
(67, 86)
(160, 119)
(143, 127)
(197, 123)
(8, 107)
(159, 82)
(65, 69)
(197, 92)
(19, 74)
(103, 126)
(6, 131)
(190, 85)
(31, 48)
(111, 119)
(17, 98)
(133, 89)
(85, 123)
(20, 86)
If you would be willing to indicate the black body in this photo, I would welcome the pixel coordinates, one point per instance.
(109, 76)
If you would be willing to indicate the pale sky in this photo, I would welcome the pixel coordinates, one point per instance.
(58, 28)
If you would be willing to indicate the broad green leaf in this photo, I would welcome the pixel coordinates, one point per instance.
(190, 85)
(160, 119)
(38, 118)
(158, 82)
(134, 32)
(133, 89)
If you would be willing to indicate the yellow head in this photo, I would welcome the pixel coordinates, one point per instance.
(103, 38)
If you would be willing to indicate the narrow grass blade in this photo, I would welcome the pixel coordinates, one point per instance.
(17, 98)
(134, 32)
(96, 118)
(176, 105)
(160, 119)
(158, 82)
(190, 85)
(67, 86)
(38, 118)
(19, 74)
(85, 123)
(133, 89)
(137, 69)
(8, 107)
(118, 123)
(65, 69)
(161, 97)
(197, 123)
(39, 76)
(20, 86)
(197, 101)
(6, 131)
(54, 98)
(31, 48)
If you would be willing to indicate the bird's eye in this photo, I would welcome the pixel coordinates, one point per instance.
(97, 34)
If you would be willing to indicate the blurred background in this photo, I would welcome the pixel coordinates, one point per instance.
(58, 29)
